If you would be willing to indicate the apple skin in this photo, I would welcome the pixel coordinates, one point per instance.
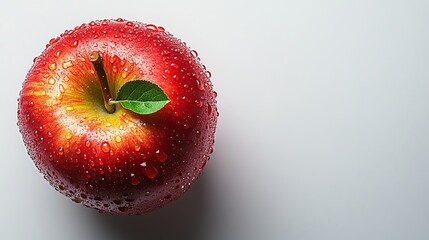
(122, 163)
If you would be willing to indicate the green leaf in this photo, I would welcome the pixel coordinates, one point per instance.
(142, 97)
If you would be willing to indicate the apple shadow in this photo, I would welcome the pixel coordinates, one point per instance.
(181, 219)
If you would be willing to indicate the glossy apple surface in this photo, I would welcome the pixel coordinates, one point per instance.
(121, 162)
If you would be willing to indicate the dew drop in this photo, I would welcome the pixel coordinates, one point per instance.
(194, 53)
(125, 73)
(209, 74)
(151, 27)
(209, 108)
(50, 135)
(75, 43)
(150, 172)
(161, 156)
(198, 103)
(67, 64)
(78, 151)
(118, 139)
(88, 143)
(200, 85)
(61, 151)
(51, 81)
(175, 66)
(69, 135)
(105, 147)
(53, 66)
(135, 180)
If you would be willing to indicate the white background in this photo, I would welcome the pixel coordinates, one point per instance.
(323, 130)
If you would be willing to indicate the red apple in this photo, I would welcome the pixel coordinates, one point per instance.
(117, 161)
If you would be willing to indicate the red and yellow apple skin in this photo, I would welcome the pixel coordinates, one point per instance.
(121, 162)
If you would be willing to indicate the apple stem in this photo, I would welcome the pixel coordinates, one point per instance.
(97, 61)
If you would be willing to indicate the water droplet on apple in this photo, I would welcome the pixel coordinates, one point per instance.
(175, 66)
(209, 108)
(78, 151)
(27, 117)
(61, 88)
(67, 64)
(161, 156)
(30, 104)
(69, 108)
(105, 147)
(69, 135)
(88, 143)
(198, 103)
(209, 74)
(150, 171)
(194, 53)
(125, 73)
(75, 43)
(50, 135)
(151, 27)
(135, 180)
(53, 66)
(200, 85)
(61, 151)
(198, 133)
(51, 81)
(137, 147)
(118, 139)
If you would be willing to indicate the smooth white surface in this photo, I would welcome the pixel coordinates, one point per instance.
(323, 130)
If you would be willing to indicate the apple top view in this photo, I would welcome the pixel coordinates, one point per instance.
(118, 115)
